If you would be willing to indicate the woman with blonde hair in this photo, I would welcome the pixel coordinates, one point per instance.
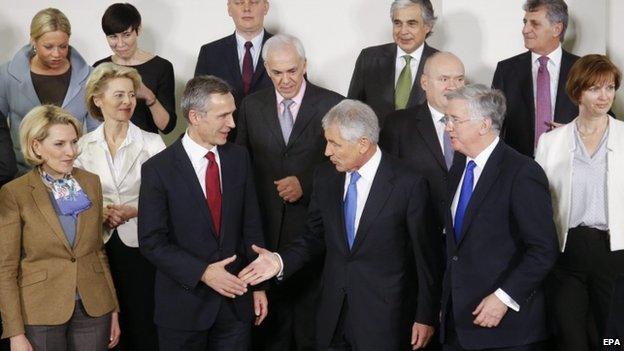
(56, 289)
(47, 71)
(115, 151)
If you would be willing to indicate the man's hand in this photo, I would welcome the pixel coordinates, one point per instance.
(421, 334)
(266, 266)
(289, 188)
(261, 306)
(222, 281)
(489, 312)
(115, 331)
(20, 343)
(116, 215)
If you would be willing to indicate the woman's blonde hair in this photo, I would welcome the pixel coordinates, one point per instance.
(96, 84)
(37, 123)
(49, 20)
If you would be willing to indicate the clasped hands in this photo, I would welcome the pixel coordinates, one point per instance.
(116, 215)
(229, 285)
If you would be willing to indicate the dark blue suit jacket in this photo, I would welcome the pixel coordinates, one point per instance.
(508, 241)
(390, 277)
(176, 234)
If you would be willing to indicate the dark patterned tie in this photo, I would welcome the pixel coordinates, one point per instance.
(247, 68)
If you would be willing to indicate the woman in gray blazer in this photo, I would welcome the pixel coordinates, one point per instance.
(584, 162)
(46, 71)
(115, 151)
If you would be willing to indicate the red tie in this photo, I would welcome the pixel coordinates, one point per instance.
(247, 69)
(213, 191)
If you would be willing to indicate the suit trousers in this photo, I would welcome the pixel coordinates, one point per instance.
(580, 288)
(228, 333)
(81, 332)
(134, 278)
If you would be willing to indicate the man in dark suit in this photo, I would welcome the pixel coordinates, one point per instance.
(368, 216)
(198, 217)
(416, 134)
(237, 58)
(281, 128)
(387, 77)
(8, 166)
(501, 239)
(534, 82)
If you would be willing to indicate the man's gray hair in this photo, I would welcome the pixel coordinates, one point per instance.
(281, 41)
(198, 90)
(556, 12)
(354, 119)
(426, 9)
(483, 102)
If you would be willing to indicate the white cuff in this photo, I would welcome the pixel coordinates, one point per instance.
(280, 274)
(507, 300)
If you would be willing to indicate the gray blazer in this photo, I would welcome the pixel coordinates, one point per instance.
(18, 96)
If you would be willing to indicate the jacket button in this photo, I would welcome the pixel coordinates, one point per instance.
(455, 258)
(73, 259)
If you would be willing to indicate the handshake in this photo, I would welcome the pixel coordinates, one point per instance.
(266, 266)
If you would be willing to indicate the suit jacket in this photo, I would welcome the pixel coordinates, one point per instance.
(373, 79)
(514, 78)
(220, 58)
(555, 153)
(389, 276)
(259, 130)
(508, 241)
(18, 96)
(40, 272)
(411, 136)
(8, 167)
(176, 234)
(125, 190)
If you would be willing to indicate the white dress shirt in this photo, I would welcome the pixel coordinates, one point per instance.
(255, 50)
(400, 62)
(439, 126)
(554, 66)
(197, 155)
(363, 185)
(480, 162)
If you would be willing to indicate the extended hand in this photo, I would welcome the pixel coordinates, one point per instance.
(421, 334)
(116, 215)
(289, 188)
(489, 312)
(115, 331)
(261, 306)
(264, 267)
(222, 281)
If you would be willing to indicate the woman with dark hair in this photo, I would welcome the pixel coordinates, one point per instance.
(155, 110)
(584, 162)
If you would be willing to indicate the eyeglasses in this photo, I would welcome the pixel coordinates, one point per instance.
(453, 120)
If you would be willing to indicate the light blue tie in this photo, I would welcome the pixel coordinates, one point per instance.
(350, 206)
(464, 198)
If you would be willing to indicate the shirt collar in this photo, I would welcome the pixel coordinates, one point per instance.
(133, 134)
(369, 169)
(554, 57)
(435, 114)
(297, 98)
(484, 155)
(415, 55)
(195, 151)
(256, 41)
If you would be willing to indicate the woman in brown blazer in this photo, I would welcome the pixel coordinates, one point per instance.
(56, 291)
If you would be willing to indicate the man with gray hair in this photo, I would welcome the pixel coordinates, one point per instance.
(281, 128)
(198, 217)
(387, 77)
(501, 239)
(534, 82)
(369, 219)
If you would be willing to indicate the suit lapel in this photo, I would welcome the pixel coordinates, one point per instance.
(228, 172)
(185, 168)
(132, 152)
(232, 63)
(307, 110)
(486, 180)
(379, 193)
(336, 192)
(455, 174)
(526, 82)
(386, 71)
(42, 199)
(562, 97)
(417, 94)
(269, 113)
(426, 128)
(259, 71)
